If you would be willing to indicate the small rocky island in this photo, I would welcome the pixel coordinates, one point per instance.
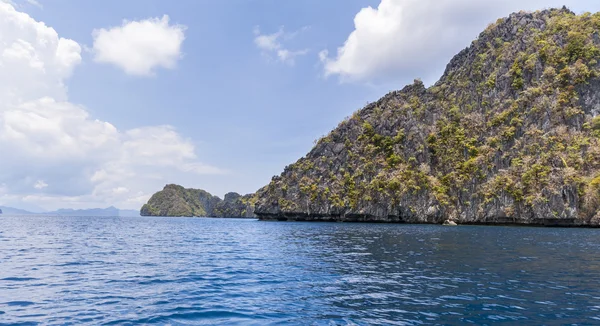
(510, 134)
(175, 200)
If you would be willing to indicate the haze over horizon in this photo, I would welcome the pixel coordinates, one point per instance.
(105, 103)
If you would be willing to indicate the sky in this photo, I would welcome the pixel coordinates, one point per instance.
(104, 102)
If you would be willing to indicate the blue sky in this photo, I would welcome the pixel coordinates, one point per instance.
(231, 109)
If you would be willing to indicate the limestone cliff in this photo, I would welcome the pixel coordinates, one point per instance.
(175, 200)
(509, 134)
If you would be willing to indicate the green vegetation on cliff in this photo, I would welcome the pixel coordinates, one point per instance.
(175, 200)
(510, 133)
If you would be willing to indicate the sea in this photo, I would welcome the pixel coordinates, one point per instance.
(203, 271)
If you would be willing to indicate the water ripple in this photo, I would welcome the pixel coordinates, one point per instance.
(113, 271)
(18, 279)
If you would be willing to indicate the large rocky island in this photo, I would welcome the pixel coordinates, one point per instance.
(175, 200)
(510, 134)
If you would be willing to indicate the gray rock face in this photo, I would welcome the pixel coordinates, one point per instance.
(508, 135)
(234, 205)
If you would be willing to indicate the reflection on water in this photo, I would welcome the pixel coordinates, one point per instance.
(194, 271)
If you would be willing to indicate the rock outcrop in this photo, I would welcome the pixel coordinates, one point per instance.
(175, 200)
(510, 134)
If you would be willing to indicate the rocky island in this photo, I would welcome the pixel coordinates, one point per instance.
(175, 200)
(510, 134)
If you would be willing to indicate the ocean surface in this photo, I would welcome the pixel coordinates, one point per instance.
(181, 271)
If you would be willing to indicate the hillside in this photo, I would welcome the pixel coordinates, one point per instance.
(174, 200)
(14, 211)
(509, 134)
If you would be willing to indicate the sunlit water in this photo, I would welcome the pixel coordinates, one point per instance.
(78, 270)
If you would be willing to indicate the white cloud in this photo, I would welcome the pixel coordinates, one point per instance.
(404, 39)
(138, 47)
(59, 155)
(271, 44)
(35, 61)
(288, 56)
(40, 184)
(35, 3)
(267, 42)
(120, 190)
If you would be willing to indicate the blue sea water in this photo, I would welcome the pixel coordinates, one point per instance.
(180, 271)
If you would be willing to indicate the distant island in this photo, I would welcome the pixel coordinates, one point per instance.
(175, 200)
(110, 211)
(510, 134)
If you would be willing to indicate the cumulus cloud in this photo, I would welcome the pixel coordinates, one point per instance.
(404, 39)
(60, 155)
(138, 47)
(271, 45)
